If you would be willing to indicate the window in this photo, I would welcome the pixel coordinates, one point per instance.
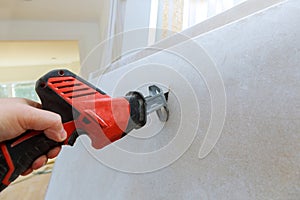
(22, 89)
(24, 62)
(4, 91)
(26, 90)
(196, 11)
(171, 16)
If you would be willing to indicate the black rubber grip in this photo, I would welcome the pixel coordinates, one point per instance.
(18, 154)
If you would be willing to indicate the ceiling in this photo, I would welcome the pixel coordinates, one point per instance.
(29, 60)
(53, 10)
(30, 53)
(32, 58)
(37, 53)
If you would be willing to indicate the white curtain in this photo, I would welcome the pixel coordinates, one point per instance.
(168, 17)
(196, 11)
(113, 48)
(177, 15)
(120, 13)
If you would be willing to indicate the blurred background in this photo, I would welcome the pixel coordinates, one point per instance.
(28, 50)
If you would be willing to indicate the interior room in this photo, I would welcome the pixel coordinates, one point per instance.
(159, 99)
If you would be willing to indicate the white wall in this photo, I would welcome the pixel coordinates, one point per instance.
(257, 156)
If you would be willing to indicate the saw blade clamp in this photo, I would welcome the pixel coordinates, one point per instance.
(157, 101)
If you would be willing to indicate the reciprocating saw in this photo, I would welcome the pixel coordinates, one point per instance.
(84, 109)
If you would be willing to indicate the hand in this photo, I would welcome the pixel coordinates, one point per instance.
(18, 115)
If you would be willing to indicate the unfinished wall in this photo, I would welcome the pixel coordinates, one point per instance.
(257, 155)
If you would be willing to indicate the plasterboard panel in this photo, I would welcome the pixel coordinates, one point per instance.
(257, 156)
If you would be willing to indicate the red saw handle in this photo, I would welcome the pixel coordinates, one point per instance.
(18, 154)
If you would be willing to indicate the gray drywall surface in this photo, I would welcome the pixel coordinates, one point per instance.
(257, 155)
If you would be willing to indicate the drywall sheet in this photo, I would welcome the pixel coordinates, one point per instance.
(257, 154)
